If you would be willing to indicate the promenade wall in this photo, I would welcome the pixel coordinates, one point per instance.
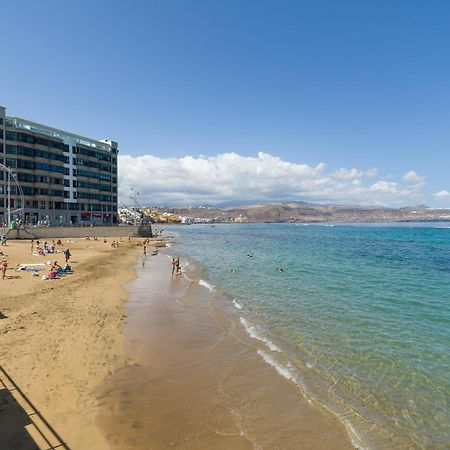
(79, 232)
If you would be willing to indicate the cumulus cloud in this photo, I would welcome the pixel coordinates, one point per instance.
(413, 178)
(351, 174)
(442, 195)
(230, 178)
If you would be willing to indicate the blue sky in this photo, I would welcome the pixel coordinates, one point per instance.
(351, 84)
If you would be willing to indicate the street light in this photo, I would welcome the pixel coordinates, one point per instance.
(12, 175)
(136, 203)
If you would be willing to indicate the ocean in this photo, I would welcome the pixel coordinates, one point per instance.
(356, 316)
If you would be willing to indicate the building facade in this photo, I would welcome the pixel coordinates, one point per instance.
(56, 177)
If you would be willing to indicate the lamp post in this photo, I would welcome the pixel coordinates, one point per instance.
(136, 203)
(12, 175)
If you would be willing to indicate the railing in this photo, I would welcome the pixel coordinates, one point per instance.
(46, 436)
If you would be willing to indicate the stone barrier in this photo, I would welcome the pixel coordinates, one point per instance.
(80, 232)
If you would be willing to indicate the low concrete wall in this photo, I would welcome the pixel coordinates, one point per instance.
(79, 232)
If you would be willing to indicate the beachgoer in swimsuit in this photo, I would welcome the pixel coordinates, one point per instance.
(3, 267)
(174, 265)
(67, 254)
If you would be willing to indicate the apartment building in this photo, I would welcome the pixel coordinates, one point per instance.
(55, 177)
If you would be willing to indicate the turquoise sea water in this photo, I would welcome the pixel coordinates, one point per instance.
(359, 317)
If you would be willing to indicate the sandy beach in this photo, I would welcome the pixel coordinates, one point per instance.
(59, 340)
(195, 380)
(174, 374)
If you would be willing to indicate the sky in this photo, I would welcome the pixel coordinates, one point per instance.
(229, 102)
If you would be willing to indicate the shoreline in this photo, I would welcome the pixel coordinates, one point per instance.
(240, 401)
(60, 340)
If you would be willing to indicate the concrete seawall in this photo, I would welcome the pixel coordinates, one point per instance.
(79, 232)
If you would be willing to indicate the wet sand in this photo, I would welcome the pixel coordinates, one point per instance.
(194, 380)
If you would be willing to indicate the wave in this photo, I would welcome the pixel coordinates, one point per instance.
(284, 371)
(253, 332)
(290, 375)
(206, 285)
(236, 304)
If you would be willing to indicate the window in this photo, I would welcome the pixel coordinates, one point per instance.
(11, 136)
(66, 183)
(41, 204)
(50, 205)
(11, 163)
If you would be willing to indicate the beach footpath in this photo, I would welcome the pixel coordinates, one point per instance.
(59, 339)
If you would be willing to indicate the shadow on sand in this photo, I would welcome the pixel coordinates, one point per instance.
(22, 427)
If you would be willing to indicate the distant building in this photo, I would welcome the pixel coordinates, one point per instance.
(65, 178)
(186, 220)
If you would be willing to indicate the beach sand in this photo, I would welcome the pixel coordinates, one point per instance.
(195, 380)
(59, 340)
(175, 374)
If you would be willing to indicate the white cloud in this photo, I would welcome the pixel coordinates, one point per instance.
(390, 187)
(413, 178)
(443, 195)
(373, 172)
(352, 174)
(232, 178)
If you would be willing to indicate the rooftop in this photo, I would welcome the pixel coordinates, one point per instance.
(24, 124)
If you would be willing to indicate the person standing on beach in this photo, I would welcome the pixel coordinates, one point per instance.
(178, 265)
(67, 254)
(174, 265)
(145, 250)
(3, 267)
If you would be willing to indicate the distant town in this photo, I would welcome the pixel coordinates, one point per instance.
(281, 213)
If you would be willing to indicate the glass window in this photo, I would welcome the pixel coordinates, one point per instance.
(11, 162)
(41, 204)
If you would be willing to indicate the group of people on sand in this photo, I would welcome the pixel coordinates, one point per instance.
(115, 244)
(44, 249)
(56, 271)
(176, 268)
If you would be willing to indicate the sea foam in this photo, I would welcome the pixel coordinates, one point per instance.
(206, 285)
(236, 304)
(280, 368)
(253, 332)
